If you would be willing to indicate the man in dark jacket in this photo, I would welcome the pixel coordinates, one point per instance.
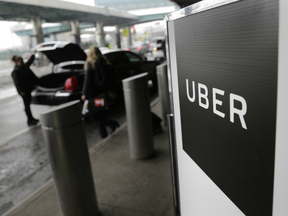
(24, 80)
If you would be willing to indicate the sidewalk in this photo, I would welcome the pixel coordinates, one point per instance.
(124, 187)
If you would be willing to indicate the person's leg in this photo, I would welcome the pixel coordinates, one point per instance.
(101, 125)
(108, 122)
(102, 129)
(27, 101)
(111, 123)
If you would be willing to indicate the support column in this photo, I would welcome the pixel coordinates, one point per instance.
(37, 29)
(53, 36)
(100, 36)
(117, 34)
(130, 36)
(75, 32)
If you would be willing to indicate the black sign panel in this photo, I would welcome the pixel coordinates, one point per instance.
(227, 70)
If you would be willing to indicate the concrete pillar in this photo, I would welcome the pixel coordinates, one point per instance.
(37, 29)
(100, 36)
(130, 36)
(53, 37)
(117, 34)
(75, 32)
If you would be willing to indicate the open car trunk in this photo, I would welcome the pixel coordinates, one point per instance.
(56, 81)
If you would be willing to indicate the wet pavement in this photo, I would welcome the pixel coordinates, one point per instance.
(24, 164)
(23, 159)
(22, 153)
(124, 186)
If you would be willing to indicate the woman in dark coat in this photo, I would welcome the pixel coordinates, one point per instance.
(24, 80)
(95, 84)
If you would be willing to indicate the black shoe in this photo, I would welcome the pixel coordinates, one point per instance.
(103, 136)
(113, 128)
(33, 122)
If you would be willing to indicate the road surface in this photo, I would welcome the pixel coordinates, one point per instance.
(24, 163)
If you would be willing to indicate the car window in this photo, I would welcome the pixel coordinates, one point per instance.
(132, 57)
(117, 58)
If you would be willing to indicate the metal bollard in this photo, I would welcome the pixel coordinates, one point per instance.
(139, 121)
(163, 91)
(69, 158)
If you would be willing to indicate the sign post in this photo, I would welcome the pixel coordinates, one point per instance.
(225, 61)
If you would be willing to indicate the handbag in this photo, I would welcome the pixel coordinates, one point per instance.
(96, 104)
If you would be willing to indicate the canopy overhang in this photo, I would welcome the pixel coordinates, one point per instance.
(61, 11)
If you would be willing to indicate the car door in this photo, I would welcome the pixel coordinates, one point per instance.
(137, 65)
(126, 65)
(141, 66)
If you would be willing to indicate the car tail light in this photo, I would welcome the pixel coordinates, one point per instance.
(149, 44)
(139, 48)
(71, 84)
(128, 49)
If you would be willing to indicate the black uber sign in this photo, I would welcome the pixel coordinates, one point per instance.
(227, 71)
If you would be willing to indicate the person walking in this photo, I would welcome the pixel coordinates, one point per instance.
(95, 83)
(24, 80)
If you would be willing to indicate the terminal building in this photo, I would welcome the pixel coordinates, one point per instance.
(97, 33)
